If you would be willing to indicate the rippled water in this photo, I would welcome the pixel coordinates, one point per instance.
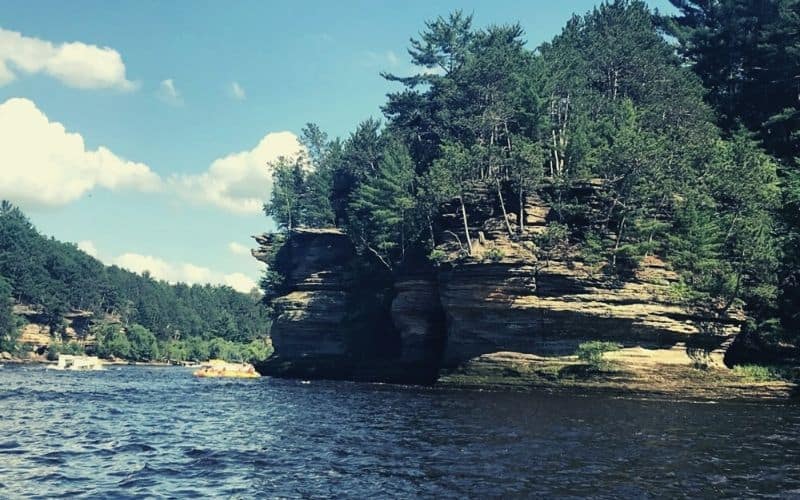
(137, 431)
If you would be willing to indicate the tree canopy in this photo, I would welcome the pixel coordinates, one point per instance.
(689, 165)
(57, 277)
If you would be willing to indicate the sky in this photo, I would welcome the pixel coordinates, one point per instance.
(141, 130)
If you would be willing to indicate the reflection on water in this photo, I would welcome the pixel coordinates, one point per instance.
(158, 431)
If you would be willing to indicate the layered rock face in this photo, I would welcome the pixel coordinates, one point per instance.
(499, 299)
(507, 297)
(418, 316)
(309, 318)
(38, 335)
(333, 321)
(517, 307)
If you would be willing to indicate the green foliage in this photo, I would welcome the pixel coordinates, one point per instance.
(494, 254)
(758, 373)
(724, 241)
(606, 124)
(144, 346)
(747, 53)
(592, 352)
(553, 242)
(174, 350)
(438, 256)
(256, 350)
(8, 322)
(197, 349)
(382, 210)
(111, 340)
(58, 277)
(592, 250)
(288, 190)
(57, 348)
(216, 348)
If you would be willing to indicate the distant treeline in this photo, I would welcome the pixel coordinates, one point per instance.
(57, 277)
(689, 124)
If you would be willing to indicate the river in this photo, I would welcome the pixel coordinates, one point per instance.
(159, 432)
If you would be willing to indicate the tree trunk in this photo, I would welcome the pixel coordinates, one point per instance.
(619, 238)
(503, 208)
(556, 161)
(521, 212)
(466, 226)
(735, 293)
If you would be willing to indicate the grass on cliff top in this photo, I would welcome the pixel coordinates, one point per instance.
(592, 353)
(760, 373)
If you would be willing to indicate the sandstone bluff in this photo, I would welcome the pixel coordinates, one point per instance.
(497, 318)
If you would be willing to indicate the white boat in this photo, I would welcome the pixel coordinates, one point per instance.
(77, 363)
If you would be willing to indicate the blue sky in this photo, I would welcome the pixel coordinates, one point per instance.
(168, 88)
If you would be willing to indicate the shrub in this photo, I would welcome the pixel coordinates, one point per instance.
(143, 344)
(553, 242)
(494, 254)
(257, 350)
(197, 349)
(56, 348)
(438, 256)
(592, 352)
(592, 250)
(174, 350)
(112, 341)
(757, 373)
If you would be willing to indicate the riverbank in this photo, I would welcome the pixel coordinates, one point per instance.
(42, 360)
(629, 372)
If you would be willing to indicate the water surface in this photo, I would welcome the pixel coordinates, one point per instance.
(159, 432)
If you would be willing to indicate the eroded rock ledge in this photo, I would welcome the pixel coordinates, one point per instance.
(506, 322)
(498, 318)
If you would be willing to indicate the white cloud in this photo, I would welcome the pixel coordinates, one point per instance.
(438, 70)
(168, 93)
(75, 64)
(88, 247)
(240, 282)
(44, 165)
(239, 182)
(388, 58)
(182, 272)
(238, 248)
(237, 92)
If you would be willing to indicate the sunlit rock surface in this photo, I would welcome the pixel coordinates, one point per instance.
(455, 322)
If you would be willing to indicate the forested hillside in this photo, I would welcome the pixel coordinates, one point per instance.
(57, 278)
(690, 140)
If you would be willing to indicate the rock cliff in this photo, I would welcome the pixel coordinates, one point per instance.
(455, 323)
(332, 319)
(508, 306)
(36, 333)
(309, 317)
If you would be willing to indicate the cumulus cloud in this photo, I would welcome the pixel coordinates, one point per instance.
(239, 282)
(238, 248)
(88, 247)
(44, 165)
(239, 182)
(168, 93)
(182, 272)
(75, 64)
(237, 92)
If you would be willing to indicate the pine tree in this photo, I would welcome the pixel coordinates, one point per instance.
(8, 322)
(288, 190)
(383, 219)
